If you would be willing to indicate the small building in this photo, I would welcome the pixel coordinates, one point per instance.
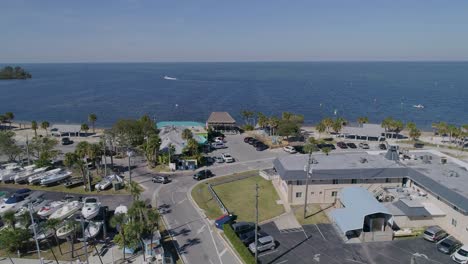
(362, 216)
(373, 132)
(196, 128)
(221, 121)
(65, 130)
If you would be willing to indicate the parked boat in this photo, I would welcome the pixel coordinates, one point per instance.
(420, 106)
(103, 184)
(9, 173)
(67, 229)
(121, 209)
(37, 178)
(23, 176)
(91, 206)
(73, 182)
(62, 175)
(50, 208)
(36, 205)
(66, 210)
(170, 78)
(93, 229)
(42, 231)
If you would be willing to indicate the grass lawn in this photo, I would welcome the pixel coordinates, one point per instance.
(315, 215)
(161, 168)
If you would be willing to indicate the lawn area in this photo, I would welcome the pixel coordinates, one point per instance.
(315, 215)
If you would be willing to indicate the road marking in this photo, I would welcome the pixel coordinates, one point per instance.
(284, 261)
(320, 232)
(201, 229)
(185, 199)
(223, 252)
(172, 198)
(268, 253)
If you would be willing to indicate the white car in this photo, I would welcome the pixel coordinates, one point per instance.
(290, 149)
(461, 255)
(227, 158)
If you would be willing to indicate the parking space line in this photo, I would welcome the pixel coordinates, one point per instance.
(281, 262)
(320, 232)
(201, 229)
(267, 253)
(223, 252)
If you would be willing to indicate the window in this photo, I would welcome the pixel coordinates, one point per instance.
(299, 183)
(454, 222)
(298, 194)
(387, 180)
(335, 181)
(333, 194)
(353, 181)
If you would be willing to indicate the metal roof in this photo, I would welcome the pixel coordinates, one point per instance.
(369, 130)
(358, 203)
(411, 209)
(221, 118)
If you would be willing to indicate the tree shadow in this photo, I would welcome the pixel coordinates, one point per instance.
(190, 242)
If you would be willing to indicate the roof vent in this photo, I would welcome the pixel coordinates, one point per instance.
(443, 160)
(363, 160)
(453, 174)
(392, 153)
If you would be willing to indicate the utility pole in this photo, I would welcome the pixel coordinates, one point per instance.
(105, 157)
(35, 234)
(309, 168)
(129, 154)
(256, 223)
(84, 239)
(27, 149)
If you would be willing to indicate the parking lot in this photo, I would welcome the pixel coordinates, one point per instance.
(323, 245)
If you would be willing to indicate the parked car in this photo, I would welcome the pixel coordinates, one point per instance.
(203, 174)
(434, 233)
(257, 143)
(66, 141)
(290, 149)
(243, 227)
(342, 145)
(418, 145)
(219, 139)
(251, 141)
(351, 145)
(218, 159)
(160, 179)
(449, 245)
(224, 219)
(261, 147)
(218, 145)
(382, 146)
(264, 243)
(364, 145)
(461, 255)
(327, 145)
(249, 237)
(246, 139)
(227, 158)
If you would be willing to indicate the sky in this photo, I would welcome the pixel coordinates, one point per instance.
(240, 30)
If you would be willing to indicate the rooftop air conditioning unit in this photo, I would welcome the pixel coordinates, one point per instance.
(443, 160)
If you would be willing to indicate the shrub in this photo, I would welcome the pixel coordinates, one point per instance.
(243, 251)
(247, 127)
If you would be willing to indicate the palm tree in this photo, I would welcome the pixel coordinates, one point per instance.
(262, 120)
(311, 145)
(135, 190)
(34, 127)
(337, 126)
(362, 120)
(118, 221)
(326, 150)
(411, 125)
(10, 219)
(320, 127)
(273, 123)
(10, 116)
(92, 118)
(85, 128)
(415, 133)
(54, 224)
(286, 115)
(328, 122)
(187, 134)
(45, 125)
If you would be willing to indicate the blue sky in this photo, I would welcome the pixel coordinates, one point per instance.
(216, 30)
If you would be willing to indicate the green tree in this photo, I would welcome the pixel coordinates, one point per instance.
(415, 133)
(118, 221)
(187, 134)
(13, 239)
(362, 120)
(54, 224)
(85, 128)
(45, 125)
(247, 115)
(151, 149)
(10, 116)
(311, 145)
(134, 189)
(44, 150)
(411, 125)
(273, 122)
(10, 219)
(192, 148)
(320, 127)
(34, 127)
(92, 118)
(287, 128)
(337, 126)
(262, 120)
(9, 146)
(328, 123)
(326, 150)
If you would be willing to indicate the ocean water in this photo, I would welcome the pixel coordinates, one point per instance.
(68, 92)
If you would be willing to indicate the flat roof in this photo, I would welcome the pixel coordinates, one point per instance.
(220, 118)
(66, 127)
(370, 130)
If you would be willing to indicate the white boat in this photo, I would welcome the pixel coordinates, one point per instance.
(50, 208)
(62, 175)
(37, 178)
(103, 184)
(67, 229)
(121, 209)
(420, 106)
(15, 202)
(170, 78)
(93, 229)
(24, 175)
(66, 210)
(91, 206)
(42, 231)
(9, 173)
(36, 206)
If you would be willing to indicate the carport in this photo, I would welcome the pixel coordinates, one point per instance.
(361, 214)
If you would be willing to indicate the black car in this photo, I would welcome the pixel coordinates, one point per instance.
(257, 143)
(203, 174)
(382, 146)
(351, 145)
(66, 141)
(249, 237)
(252, 141)
(342, 145)
(160, 179)
(448, 245)
(246, 139)
(243, 227)
(261, 147)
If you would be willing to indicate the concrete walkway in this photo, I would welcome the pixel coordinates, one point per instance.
(287, 221)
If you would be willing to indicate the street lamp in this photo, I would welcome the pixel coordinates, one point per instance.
(129, 154)
(308, 169)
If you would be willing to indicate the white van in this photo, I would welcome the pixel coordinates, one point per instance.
(218, 145)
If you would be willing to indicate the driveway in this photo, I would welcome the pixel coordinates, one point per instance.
(323, 245)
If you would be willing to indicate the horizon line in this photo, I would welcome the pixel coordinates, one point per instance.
(246, 61)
